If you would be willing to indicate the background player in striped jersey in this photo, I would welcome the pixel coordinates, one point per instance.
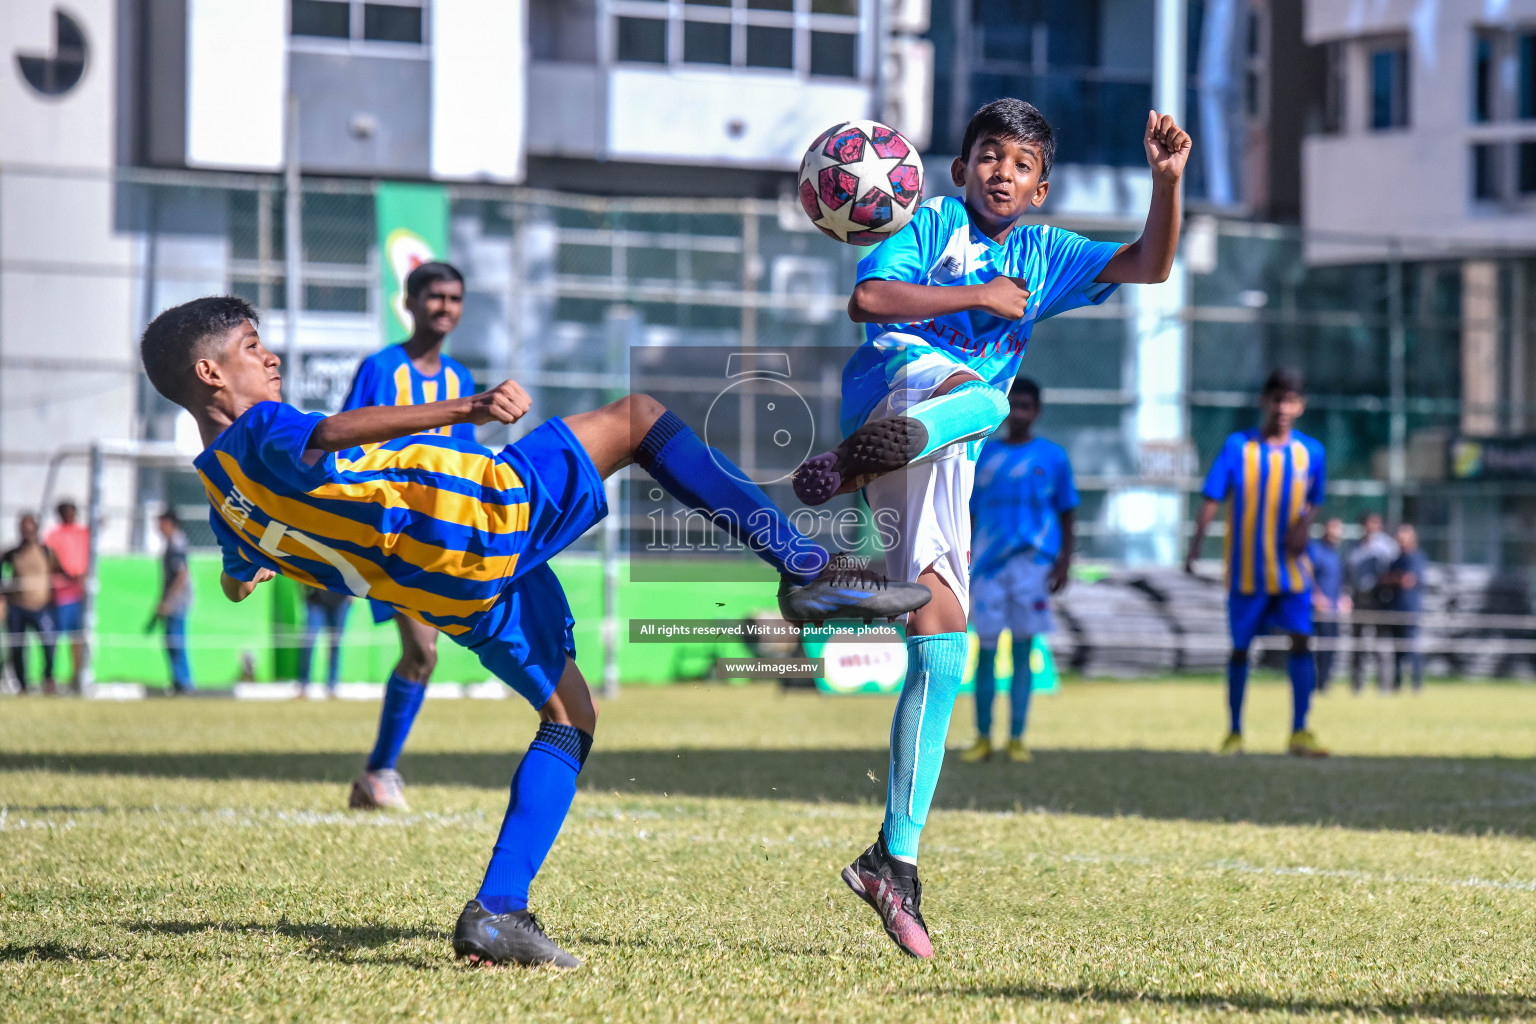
(410, 373)
(458, 537)
(1272, 478)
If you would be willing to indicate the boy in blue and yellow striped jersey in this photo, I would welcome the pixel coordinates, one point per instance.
(410, 373)
(1272, 479)
(368, 502)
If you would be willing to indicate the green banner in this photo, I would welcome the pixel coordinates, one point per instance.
(413, 229)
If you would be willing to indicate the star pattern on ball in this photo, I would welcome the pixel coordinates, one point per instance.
(860, 182)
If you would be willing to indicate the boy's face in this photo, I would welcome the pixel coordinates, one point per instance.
(244, 370)
(1407, 538)
(1333, 531)
(1282, 409)
(437, 307)
(167, 527)
(1023, 410)
(1001, 178)
(27, 526)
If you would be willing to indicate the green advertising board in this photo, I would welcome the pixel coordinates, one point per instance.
(413, 229)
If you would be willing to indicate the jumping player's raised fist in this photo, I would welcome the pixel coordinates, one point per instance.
(1167, 146)
(507, 402)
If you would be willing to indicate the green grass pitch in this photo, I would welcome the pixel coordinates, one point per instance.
(193, 860)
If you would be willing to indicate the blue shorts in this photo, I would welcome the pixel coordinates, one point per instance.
(1250, 614)
(68, 617)
(526, 637)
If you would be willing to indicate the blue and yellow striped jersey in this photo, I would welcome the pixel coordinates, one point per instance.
(388, 377)
(1267, 487)
(430, 525)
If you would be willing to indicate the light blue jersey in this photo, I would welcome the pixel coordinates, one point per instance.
(1020, 494)
(943, 247)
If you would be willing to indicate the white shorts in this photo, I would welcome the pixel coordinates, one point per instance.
(923, 512)
(1016, 598)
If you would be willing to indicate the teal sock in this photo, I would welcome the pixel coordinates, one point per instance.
(935, 667)
(970, 412)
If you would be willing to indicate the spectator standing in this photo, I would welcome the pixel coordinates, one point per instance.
(28, 570)
(70, 542)
(1370, 558)
(323, 610)
(175, 600)
(1402, 591)
(1329, 601)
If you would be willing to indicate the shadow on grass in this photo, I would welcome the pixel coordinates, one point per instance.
(1431, 1005)
(1448, 794)
(324, 941)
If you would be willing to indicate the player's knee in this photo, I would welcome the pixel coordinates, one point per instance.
(641, 411)
(417, 663)
(1239, 655)
(1300, 643)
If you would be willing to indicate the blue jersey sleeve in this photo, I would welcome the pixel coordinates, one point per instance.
(236, 565)
(1067, 497)
(277, 436)
(1074, 263)
(908, 254)
(364, 384)
(1218, 482)
(1317, 489)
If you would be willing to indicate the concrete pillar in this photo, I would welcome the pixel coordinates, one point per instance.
(1149, 519)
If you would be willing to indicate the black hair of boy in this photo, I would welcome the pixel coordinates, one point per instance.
(1285, 380)
(1012, 120)
(176, 339)
(1025, 386)
(418, 280)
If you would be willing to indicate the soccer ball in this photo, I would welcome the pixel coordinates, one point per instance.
(860, 182)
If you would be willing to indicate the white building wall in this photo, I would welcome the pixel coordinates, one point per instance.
(68, 366)
(1362, 185)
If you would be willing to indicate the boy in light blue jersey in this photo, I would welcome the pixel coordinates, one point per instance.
(1022, 523)
(376, 502)
(950, 302)
(1272, 478)
(413, 372)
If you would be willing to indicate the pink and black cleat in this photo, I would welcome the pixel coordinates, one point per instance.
(892, 888)
(875, 449)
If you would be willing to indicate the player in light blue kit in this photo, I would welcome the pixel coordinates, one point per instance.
(949, 302)
(414, 372)
(1022, 518)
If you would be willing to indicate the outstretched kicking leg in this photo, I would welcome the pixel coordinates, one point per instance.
(815, 586)
(963, 408)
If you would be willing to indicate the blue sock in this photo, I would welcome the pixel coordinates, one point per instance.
(705, 480)
(1303, 671)
(935, 666)
(542, 791)
(1023, 686)
(402, 699)
(1237, 685)
(986, 690)
(969, 412)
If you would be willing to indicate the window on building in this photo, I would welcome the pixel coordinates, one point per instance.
(1525, 168)
(1483, 85)
(350, 22)
(1333, 88)
(1389, 87)
(1525, 79)
(802, 37)
(1485, 167)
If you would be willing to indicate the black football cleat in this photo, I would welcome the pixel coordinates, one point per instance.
(517, 938)
(845, 590)
(892, 888)
(875, 449)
